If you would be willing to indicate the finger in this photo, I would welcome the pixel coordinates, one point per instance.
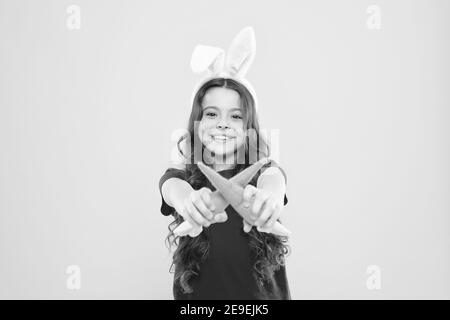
(196, 216)
(183, 229)
(260, 198)
(267, 212)
(206, 196)
(185, 213)
(263, 229)
(201, 207)
(197, 200)
(249, 192)
(220, 217)
(195, 231)
(247, 226)
(275, 216)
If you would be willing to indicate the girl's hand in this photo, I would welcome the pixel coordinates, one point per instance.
(197, 229)
(266, 209)
(198, 209)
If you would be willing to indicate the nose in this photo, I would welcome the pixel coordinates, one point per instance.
(222, 124)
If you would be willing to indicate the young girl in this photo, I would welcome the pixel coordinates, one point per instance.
(228, 259)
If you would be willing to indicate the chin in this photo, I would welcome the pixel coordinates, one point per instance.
(222, 150)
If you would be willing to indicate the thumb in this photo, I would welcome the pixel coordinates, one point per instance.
(220, 217)
(249, 192)
(195, 231)
(247, 226)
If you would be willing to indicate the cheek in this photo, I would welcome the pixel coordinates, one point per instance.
(206, 123)
(203, 127)
(239, 129)
(240, 133)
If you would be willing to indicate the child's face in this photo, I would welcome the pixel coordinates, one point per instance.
(221, 129)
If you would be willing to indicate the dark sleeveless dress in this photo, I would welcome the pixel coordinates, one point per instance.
(227, 272)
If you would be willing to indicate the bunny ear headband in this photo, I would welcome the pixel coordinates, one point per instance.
(234, 64)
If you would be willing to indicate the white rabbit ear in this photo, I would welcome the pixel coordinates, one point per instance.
(241, 53)
(207, 58)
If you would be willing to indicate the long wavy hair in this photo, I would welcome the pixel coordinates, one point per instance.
(269, 250)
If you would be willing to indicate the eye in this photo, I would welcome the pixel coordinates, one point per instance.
(236, 116)
(210, 114)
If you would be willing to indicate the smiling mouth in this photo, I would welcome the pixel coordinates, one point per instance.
(221, 138)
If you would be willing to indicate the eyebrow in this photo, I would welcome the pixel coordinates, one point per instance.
(214, 107)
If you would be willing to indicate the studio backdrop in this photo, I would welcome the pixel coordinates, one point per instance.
(355, 95)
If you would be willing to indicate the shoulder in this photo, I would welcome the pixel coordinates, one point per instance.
(172, 173)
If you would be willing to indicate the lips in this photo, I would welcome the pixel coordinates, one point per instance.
(221, 137)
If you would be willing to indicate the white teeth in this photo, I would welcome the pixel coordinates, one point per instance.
(221, 138)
